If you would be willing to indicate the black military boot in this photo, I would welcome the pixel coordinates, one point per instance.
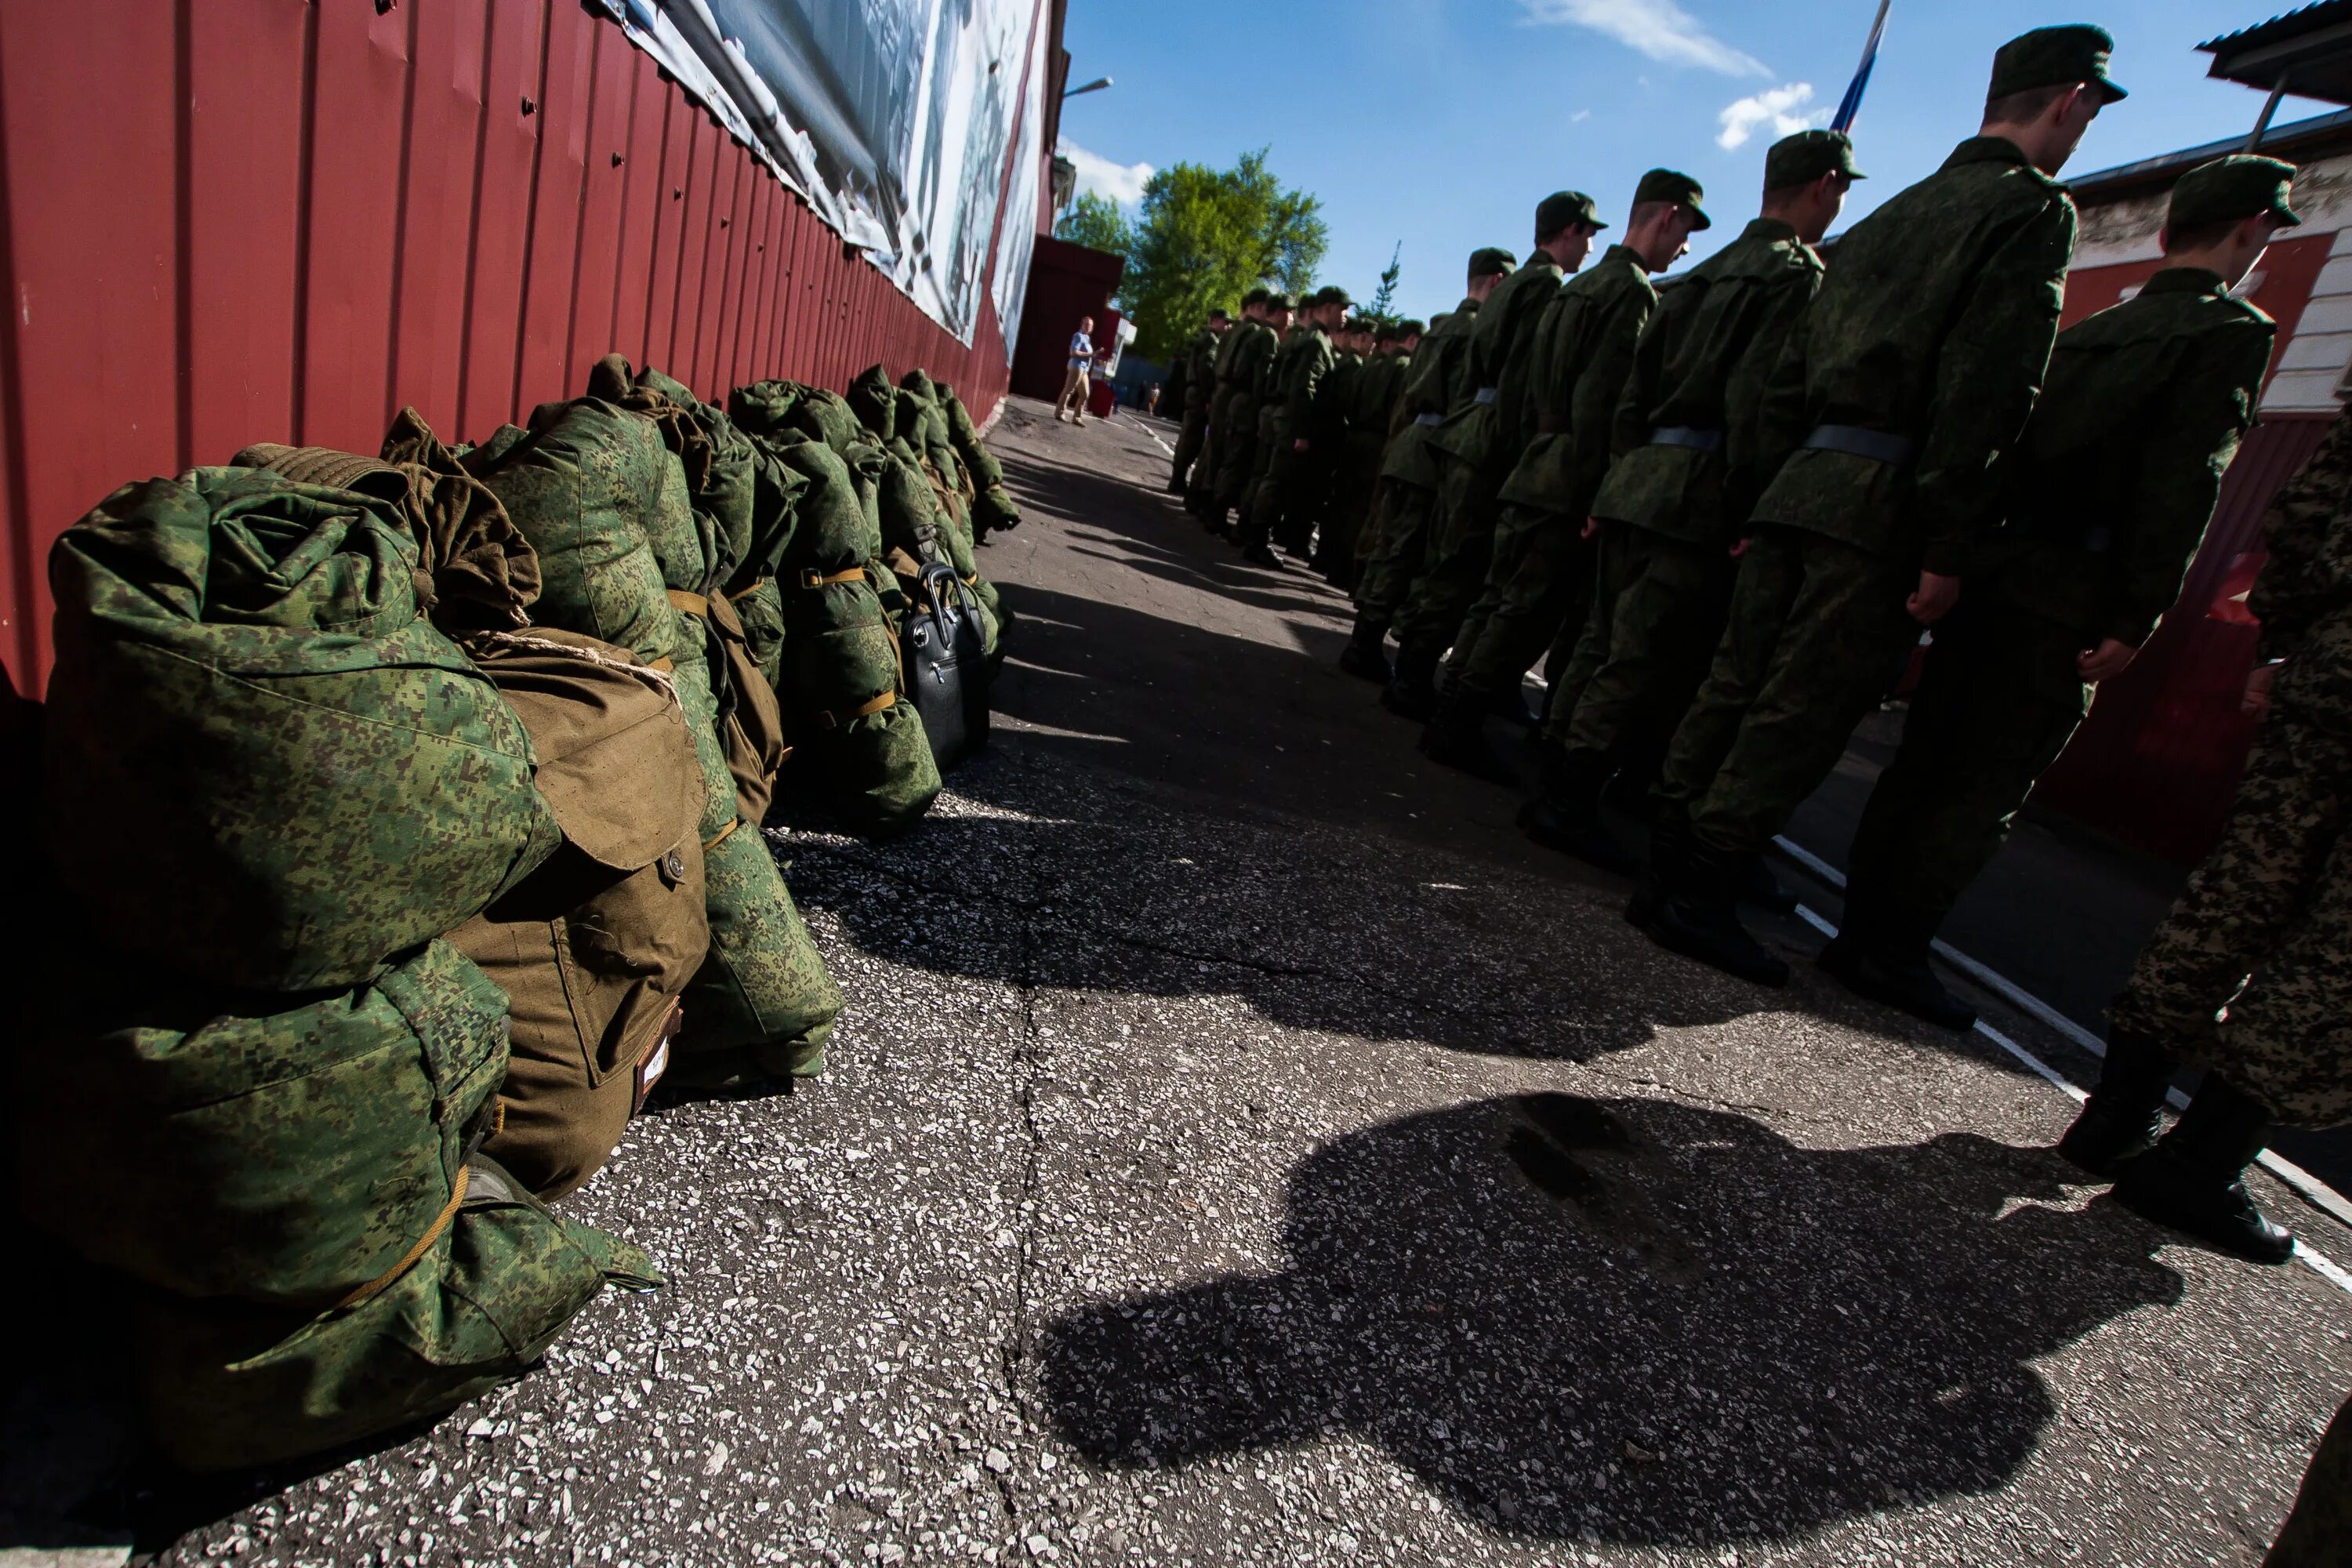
(1698, 919)
(1565, 812)
(1412, 690)
(1755, 883)
(1882, 953)
(2123, 1115)
(1456, 736)
(1251, 537)
(2192, 1180)
(1365, 656)
(1669, 850)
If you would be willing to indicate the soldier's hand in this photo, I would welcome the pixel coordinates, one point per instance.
(1740, 547)
(1298, 443)
(1936, 595)
(2105, 662)
(2256, 702)
(1591, 526)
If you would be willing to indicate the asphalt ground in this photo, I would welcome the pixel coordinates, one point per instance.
(1242, 1148)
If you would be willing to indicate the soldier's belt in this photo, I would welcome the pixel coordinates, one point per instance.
(1486, 394)
(1429, 418)
(1854, 441)
(1691, 436)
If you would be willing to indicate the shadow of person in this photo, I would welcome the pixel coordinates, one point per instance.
(1626, 1319)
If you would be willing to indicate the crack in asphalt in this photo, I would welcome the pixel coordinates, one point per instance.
(1015, 1347)
(1741, 1107)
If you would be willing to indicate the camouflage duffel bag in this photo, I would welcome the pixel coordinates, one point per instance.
(859, 750)
(992, 509)
(275, 771)
(596, 946)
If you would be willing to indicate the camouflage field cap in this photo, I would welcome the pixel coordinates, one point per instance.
(1410, 328)
(2053, 56)
(1672, 185)
(1491, 261)
(1560, 208)
(2239, 187)
(1257, 296)
(1281, 300)
(1802, 159)
(1330, 294)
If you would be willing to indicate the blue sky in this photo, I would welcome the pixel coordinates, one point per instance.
(1441, 122)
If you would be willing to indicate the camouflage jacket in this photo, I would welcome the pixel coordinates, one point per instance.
(1714, 337)
(1484, 435)
(1933, 327)
(1372, 399)
(2122, 463)
(1439, 382)
(1583, 352)
(1242, 357)
(1200, 369)
(2304, 595)
(1337, 393)
(1305, 359)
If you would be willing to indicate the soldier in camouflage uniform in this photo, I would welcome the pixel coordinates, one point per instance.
(1200, 388)
(2264, 927)
(1241, 361)
(1308, 527)
(1540, 570)
(1477, 446)
(2110, 494)
(1913, 373)
(1289, 427)
(1440, 382)
(1371, 417)
(1676, 499)
(1367, 535)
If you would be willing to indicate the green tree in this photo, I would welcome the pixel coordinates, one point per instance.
(1203, 236)
(1383, 306)
(1095, 221)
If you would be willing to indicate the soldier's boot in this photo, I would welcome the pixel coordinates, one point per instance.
(1758, 884)
(1412, 690)
(1565, 812)
(1669, 848)
(2123, 1115)
(1698, 919)
(1250, 536)
(2192, 1179)
(1455, 736)
(1365, 656)
(1512, 708)
(1882, 953)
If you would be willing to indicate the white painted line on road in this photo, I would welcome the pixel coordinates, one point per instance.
(1147, 430)
(2305, 1185)
(2302, 1182)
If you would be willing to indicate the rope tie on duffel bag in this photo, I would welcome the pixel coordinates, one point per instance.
(832, 721)
(384, 1281)
(812, 578)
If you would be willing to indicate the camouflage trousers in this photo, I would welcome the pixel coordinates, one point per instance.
(1538, 577)
(2264, 929)
(1189, 442)
(1453, 563)
(1997, 703)
(1354, 479)
(1276, 471)
(1658, 606)
(1236, 440)
(2318, 1533)
(1402, 526)
(1814, 625)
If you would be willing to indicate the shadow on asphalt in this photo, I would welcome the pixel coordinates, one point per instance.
(1627, 1321)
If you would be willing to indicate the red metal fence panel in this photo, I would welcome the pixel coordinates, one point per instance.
(229, 221)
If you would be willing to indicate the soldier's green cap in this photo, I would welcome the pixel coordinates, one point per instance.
(2053, 56)
(1330, 294)
(1802, 159)
(2239, 187)
(1257, 296)
(1491, 261)
(1672, 185)
(1281, 300)
(1560, 208)
(1411, 327)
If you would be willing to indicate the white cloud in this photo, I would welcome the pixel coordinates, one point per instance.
(1580, 116)
(1658, 28)
(1779, 109)
(1122, 183)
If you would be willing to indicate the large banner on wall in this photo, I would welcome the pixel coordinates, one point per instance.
(895, 119)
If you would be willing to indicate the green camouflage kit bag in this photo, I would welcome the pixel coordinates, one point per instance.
(275, 771)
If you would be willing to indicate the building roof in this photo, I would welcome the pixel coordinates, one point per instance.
(2300, 141)
(2310, 49)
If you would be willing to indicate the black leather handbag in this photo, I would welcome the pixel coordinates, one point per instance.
(946, 671)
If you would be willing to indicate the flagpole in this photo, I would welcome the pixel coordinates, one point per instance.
(1851, 105)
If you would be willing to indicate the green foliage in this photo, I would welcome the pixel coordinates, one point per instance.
(1204, 238)
(1095, 221)
(1383, 304)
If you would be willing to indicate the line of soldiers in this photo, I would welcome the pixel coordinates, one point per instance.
(1285, 418)
(1721, 510)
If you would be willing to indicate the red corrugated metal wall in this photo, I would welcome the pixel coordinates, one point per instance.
(229, 221)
